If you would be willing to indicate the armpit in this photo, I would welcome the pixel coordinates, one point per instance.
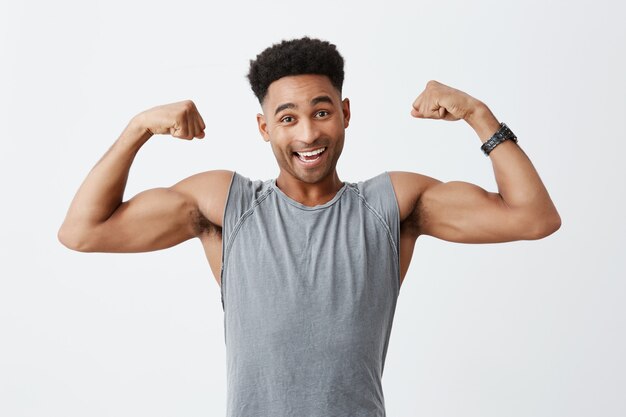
(411, 224)
(202, 225)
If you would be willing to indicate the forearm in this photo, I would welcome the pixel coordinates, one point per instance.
(518, 182)
(103, 189)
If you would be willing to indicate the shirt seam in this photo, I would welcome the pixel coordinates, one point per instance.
(382, 221)
(242, 219)
(230, 187)
(398, 225)
(326, 205)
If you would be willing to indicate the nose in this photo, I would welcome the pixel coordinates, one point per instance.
(308, 132)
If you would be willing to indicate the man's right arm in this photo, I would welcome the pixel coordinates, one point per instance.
(98, 220)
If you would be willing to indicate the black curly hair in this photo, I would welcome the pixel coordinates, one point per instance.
(295, 57)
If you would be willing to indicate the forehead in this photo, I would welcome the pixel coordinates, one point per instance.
(299, 89)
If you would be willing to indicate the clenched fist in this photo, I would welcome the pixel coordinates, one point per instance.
(181, 120)
(438, 101)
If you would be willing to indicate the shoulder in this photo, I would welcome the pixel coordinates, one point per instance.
(409, 187)
(207, 192)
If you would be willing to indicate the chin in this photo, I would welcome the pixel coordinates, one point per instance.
(316, 177)
(311, 180)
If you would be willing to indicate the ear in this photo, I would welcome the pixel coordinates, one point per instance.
(260, 120)
(345, 105)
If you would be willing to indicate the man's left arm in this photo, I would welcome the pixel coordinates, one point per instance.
(461, 212)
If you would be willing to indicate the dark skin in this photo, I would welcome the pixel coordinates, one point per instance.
(305, 113)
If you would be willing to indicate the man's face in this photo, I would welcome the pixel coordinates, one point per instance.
(304, 113)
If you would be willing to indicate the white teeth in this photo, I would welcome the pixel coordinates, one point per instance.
(315, 152)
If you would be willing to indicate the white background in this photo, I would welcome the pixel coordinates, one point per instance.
(527, 328)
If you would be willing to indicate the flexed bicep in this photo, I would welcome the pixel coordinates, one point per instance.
(462, 212)
(162, 217)
(154, 219)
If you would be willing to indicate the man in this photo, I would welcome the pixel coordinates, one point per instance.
(309, 266)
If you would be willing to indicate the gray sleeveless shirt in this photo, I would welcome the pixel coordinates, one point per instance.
(309, 295)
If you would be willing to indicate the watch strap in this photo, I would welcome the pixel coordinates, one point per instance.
(500, 136)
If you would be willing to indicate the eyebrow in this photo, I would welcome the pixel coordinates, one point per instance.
(316, 100)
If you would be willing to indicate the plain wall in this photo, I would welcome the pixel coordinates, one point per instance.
(526, 328)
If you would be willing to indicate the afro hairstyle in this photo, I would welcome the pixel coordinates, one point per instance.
(295, 57)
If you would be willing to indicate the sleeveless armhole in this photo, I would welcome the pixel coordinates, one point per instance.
(241, 196)
(379, 195)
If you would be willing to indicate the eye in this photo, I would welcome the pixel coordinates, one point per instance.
(287, 119)
(322, 113)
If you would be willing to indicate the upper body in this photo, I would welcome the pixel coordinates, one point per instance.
(309, 295)
(300, 113)
(304, 119)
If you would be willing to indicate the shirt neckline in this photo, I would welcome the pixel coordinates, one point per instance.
(304, 207)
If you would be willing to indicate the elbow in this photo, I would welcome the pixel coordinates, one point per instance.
(71, 240)
(557, 223)
(546, 228)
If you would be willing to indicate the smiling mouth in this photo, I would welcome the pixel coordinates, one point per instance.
(310, 156)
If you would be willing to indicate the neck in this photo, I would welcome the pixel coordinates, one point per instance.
(309, 194)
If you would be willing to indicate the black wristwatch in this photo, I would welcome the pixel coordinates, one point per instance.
(500, 136)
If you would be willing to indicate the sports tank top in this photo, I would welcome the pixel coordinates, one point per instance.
(309, 295)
